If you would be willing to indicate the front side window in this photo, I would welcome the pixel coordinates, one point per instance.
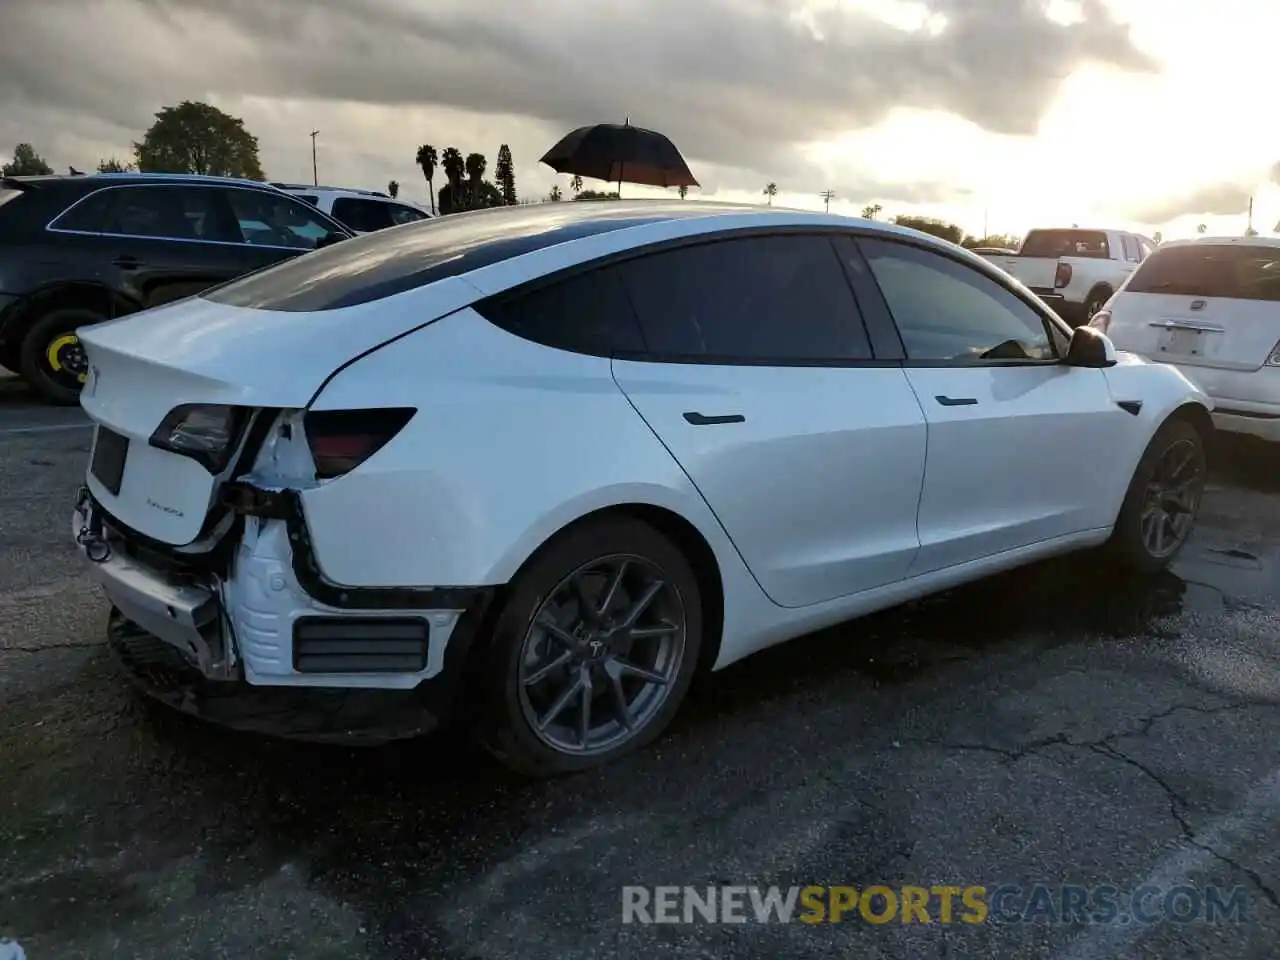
(771, 299)
(949, 312)
(276, 220)
(162, 211)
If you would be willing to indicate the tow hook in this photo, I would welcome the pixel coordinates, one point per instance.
(91, 537)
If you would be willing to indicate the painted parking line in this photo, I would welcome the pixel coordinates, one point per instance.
(45, 428)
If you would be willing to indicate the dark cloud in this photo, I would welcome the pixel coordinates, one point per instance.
(736, 83)
(1211, 199)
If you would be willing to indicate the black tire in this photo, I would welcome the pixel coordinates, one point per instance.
(1094, 302)
(503, 725)
(56, 385)
(1129, 544)
(11, 357)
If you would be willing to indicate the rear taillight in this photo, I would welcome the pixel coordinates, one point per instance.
(341, 440)
(207, 433)
(1101, 320)
(1062, 276)
(1273, 358)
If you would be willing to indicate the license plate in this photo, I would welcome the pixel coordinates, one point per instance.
(1186, 343)
(109, 453)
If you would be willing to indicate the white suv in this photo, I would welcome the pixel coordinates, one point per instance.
(364, 211)
(1210, 307)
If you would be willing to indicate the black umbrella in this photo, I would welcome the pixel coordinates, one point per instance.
(620, 152)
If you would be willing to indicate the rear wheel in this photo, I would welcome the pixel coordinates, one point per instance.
(10, 357)
(1164, 496)
(51, 358)
(1096, 300)
(593, 651)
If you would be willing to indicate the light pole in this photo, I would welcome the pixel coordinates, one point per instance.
(827, 196)
(315, 177)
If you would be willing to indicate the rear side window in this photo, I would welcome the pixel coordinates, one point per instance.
(1131, 251)
(1066, 243)
(1211, 270)
(162, 212)
(7, 194)
(363, 215)
(586, 313)
(774, 299)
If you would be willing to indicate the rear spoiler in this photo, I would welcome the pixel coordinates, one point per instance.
(18, 183)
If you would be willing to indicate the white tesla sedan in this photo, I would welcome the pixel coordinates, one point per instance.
(545, 463)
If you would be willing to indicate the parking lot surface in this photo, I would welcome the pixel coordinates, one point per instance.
(1057, 726)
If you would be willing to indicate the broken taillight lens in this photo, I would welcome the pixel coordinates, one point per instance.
(341, 440)
(206, 432)
(1062, 276)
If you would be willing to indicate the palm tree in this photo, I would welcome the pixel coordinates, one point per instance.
(683, 191)
(393, 188)
(1201, 228)
(454, 167)
(870, 211)
(771, 191)
(427, 161)
(576, 184)
(475, 165)
(555, 193)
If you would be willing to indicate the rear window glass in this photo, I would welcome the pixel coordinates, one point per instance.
(376, 265)
(1066, 243)
(1235, 272)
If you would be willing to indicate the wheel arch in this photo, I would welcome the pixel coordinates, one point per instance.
(1102, 288)
(1198, 416)
(82, 294)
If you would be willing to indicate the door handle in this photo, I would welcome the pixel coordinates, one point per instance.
(701, 420)
(127, 262)
(956, 401)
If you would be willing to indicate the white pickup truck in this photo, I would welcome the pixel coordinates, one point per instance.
(1075, 271)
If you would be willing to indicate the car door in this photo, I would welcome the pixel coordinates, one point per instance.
(1017, 440)
(155, 242)
(757, 377)
(272, 226)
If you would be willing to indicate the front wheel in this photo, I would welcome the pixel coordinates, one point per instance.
(593, 651)
(51, 358)
(1163, 499)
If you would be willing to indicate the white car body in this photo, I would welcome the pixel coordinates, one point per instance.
(814, 492)
(362, 211)
(1080, 268)
(1229, 345)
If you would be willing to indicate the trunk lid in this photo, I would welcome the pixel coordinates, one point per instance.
(1202, 305)
(197, 352)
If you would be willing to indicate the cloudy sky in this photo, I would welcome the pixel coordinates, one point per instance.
(1016, 112)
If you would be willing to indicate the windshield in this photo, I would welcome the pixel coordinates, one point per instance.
(1211, 270)
(1066, 243)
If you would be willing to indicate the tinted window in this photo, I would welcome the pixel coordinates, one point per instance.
(276, 220)
(1146, 249)
(170, 212)
(1066, 243)
(586, 313)
(387, 262)
(404, 214)
(363, 215)
(782, 298)
(1131, 252)
(948, 311)
(307, 198)
(1211, 270)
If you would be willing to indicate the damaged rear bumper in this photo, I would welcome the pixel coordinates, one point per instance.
(257, 608)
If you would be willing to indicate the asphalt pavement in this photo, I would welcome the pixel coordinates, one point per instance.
(1057, 728)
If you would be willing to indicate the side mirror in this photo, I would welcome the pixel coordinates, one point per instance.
(1090, 347)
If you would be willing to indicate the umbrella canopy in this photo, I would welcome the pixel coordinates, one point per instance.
(620, 153)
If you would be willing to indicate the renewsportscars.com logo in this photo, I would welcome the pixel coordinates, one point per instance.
(880, 904)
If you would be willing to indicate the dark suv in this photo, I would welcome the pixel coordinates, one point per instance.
(76, 250)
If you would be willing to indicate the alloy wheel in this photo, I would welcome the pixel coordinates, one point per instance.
(1172, 498)
(66, 360)
(601, 655)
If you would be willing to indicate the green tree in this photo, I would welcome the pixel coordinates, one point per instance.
(451, 162)
(576, 184)
(26, 163)
(683, 190)
(426, 159)
(1006, 240)
(596, 195)
(939, 228)
(871, 211)
(198, 138)
(555, 195)
(504, 171)
(770, 191)
(114, 166)
(393, 189)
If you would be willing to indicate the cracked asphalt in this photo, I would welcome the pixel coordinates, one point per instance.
(1055, 727)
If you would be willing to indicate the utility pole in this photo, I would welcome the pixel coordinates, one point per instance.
(315, 176)
(985, 232)
(827, 196)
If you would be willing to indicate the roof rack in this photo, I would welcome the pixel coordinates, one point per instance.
(178, 176)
